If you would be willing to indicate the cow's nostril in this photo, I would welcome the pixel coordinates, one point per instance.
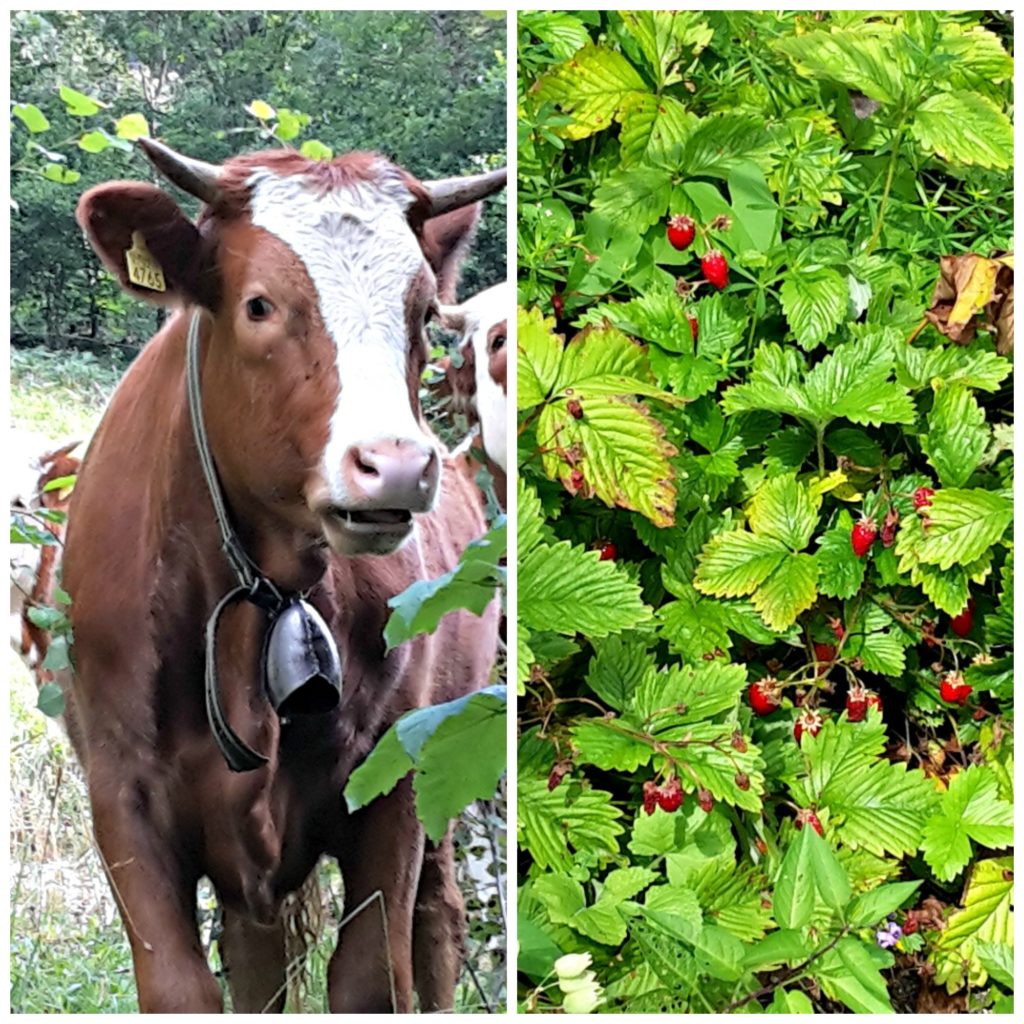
(365, 467)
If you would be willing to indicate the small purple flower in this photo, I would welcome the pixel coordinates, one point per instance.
(888, 936)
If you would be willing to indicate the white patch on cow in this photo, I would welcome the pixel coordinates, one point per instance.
(482, 312)
(362, 256)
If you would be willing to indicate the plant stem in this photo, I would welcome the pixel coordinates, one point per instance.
(821, 451)
(883, 204)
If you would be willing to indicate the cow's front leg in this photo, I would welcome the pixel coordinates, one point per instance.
(384, 852)
(155, 892)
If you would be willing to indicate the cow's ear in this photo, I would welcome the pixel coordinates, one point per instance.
(146, 241)
(445, 242)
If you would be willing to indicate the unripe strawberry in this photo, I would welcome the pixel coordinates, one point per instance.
(953, 689)
(922, 497)
(889, 525)
(761, 846)
(607, 549)
(715, 269)
(765, 695)
(670, 796)
(680, 232)
(706, 800)
(650, 796)
(575, 409)
(963, 623)
(742, 779)
(805, 816)
(809, 721)
(824, 655)
(693, 326)
(863, 535)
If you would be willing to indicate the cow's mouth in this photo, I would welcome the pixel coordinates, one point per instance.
(372, 520)
(365, 531)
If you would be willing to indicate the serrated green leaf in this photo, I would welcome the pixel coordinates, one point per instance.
(636, 197)
(604, 745)
(783, 509)
(669, 959)
(665, 37)
(652, 126)
(970, 809)
(592, 87)
(997, 959)
(987, 916)
(655, 834)
(840, 571)
(735, 563)
(814, 302)
(683, 693)
(774, 383)
(386, 765)
(791, 589)
(552, 824)
(964, 128)
(618, 668)
(563, 33)
(569, 590)
(957, 435)
(869, 58)
(853, 382)
(539, 354)
(964, 524)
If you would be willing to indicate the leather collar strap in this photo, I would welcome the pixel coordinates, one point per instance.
(253, 586)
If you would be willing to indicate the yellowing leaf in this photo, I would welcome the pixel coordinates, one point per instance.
(261, 110)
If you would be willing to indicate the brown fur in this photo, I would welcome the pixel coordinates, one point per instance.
(166, 809)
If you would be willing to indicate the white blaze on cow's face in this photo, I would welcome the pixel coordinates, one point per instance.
(378, 465)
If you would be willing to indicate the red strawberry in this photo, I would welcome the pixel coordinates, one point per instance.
(715, 268)
(963, 623)
(863, 535)
(558, 304)
(761, 845)
(576, 480)
(670, 796)
(765, 695)
(559, 772)
(857, 703)
(706, 800)
(575, 409)
(953, 689)
(681, 231)
(650, 796)
(807, 721)
(607, 549)
(693, 326)
(837, 628)
(874, 701)
(742, 779)
(805, 816)
(922, 497)
(824, 655)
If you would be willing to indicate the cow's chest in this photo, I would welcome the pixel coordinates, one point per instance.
(257, 835)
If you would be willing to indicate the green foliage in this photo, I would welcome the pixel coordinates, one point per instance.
(214, 84)
(719, 450)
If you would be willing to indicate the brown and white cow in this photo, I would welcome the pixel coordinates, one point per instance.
(312, 283)
(478, 386)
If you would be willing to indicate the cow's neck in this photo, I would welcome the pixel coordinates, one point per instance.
(274, 547)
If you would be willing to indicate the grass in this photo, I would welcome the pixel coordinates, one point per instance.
(68, 950)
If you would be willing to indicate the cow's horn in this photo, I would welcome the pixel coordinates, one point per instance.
(196, 177)
(451, 193)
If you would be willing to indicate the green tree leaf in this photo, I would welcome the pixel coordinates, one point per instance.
(31, 117)
(78, 104)
(132, 127)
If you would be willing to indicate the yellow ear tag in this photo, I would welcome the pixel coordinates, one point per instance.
(143, 270)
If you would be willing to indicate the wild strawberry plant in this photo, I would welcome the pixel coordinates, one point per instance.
(764, 547)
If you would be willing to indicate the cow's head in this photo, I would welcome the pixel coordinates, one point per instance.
(318, 279)
(479, 387)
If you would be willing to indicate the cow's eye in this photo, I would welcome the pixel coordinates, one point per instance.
(259, 308)
(497, 342)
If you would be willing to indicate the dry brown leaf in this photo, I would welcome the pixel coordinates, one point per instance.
(974, 291)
